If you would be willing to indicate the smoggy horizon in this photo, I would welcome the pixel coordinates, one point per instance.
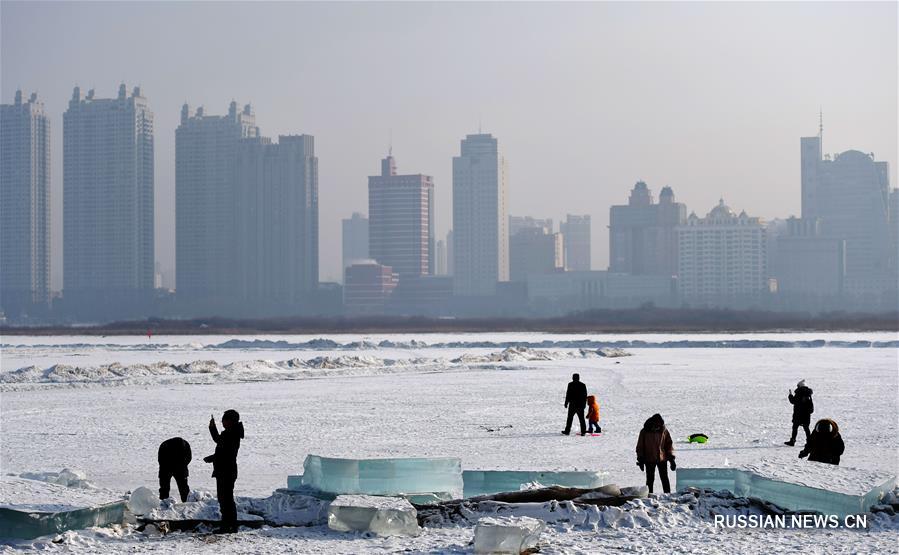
(585, 99)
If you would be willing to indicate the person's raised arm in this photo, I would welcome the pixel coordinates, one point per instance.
(213, 431)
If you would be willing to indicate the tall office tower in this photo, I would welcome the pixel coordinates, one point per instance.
(849, 193)
(277, 223)
(205, 201)
(108, 199)
(517, 223)
(534, 251)
(354, 239)
(24, 204)
(642, 234)
(722, 258)
(480, 235)
(440, 258)
(576, 233)
(401, 221)
(450, 252)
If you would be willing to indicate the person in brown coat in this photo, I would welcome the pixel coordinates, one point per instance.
(654, 450)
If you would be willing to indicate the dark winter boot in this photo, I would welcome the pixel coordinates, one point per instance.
(791, 443)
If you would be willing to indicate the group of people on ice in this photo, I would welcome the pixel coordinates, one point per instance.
(174, 455)
(655, 448)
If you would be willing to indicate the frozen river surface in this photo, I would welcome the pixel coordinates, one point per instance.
(491, 414)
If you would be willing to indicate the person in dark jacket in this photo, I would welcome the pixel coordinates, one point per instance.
(224, 465)
(825, 444)
(654, 450)
(576, 402)
(803, 407)
(174, 455)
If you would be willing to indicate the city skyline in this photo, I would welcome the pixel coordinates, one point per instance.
(598, 132)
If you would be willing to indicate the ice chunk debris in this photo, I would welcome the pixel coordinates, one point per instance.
(384, 516)
(142, 501)
(383, 476)
(486, 482)
(796, 486)
(508, 534)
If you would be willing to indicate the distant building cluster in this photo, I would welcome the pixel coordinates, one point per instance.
(247, 231)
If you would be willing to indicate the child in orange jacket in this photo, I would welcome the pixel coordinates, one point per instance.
(593, 415)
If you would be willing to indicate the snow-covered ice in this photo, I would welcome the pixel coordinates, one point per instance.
(382, 516)
(491, 415)
(507, 535)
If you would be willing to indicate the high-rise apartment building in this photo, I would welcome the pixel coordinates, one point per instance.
(810, 269)
(642, 233)
(108, 199)
(24, 204)
(576, 235)
(354, 239)
(517, 223)
(440, 257)
(849, 193)
(480, 234)
(401, 221)
(205, 202)
(277, 223)
(722, 258)
(535, 250)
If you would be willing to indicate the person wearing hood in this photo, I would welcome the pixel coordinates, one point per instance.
(224, 465)
(803, 407)
(825, 445)
(654, 450)
(173, 456)
(593, 415)
(575, 402)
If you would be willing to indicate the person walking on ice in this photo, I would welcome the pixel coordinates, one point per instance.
(224, 465)
(803, 407)
(575, 402)
(593, 415)
(654, 450)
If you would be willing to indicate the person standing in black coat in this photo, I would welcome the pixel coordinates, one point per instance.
(224, 465)
(576, 402)
(803, 407)
(173, 457)
(825, 444)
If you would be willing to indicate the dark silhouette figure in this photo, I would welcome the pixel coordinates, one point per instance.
(825, 444)
(174, 456)
(576, 402)
(224, 465)
(654, 449)
(803, 407)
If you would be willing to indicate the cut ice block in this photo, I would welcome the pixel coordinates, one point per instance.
(30, 509)
(383, 476)
(486, 482)
(797, 486)
(142, 501)
(384, 516)
(507, 534)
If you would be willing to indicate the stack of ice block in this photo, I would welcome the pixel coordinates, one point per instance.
(30, 509)
(486, 482)
(384, 516)
(439, 477)
(796, 486)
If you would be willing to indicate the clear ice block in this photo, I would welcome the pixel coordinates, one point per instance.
(507, 534)
(384, 516)
(486, 482)
(797, 486)
(407, 476)
(31, 508)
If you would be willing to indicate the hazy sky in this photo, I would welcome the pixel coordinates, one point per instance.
(710, 98)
